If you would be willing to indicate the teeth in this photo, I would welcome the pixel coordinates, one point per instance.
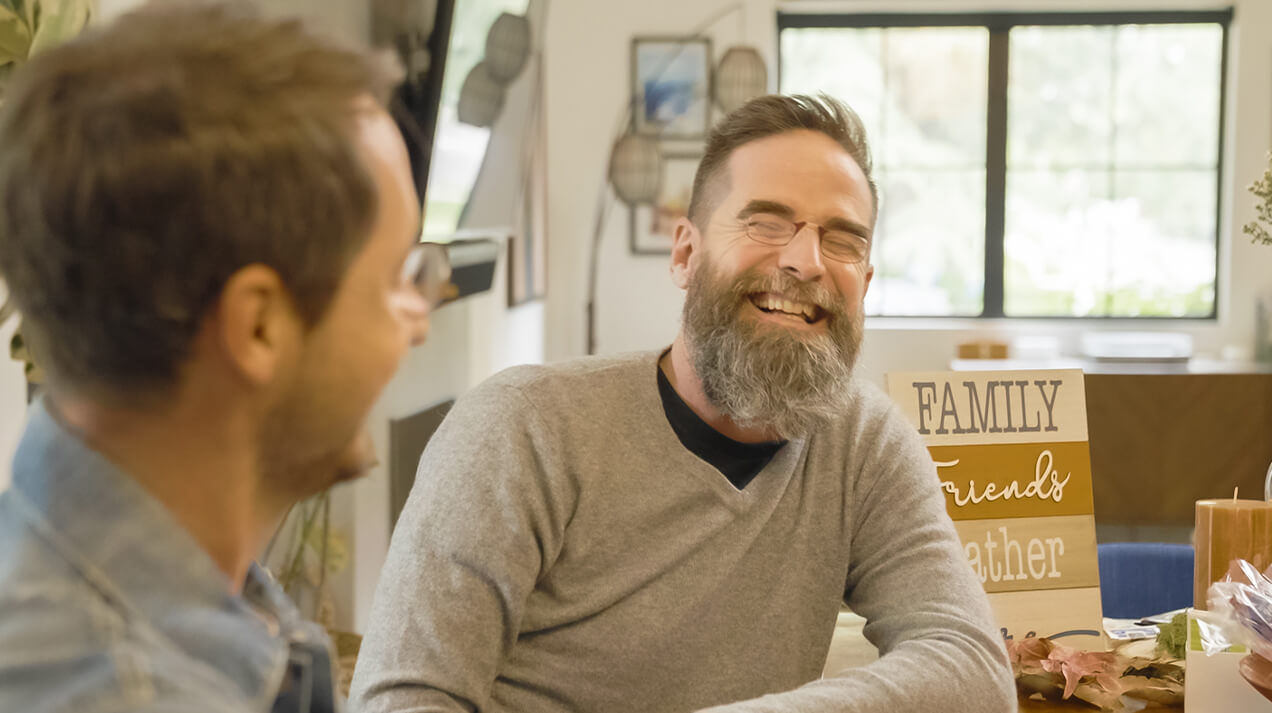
(798, 309)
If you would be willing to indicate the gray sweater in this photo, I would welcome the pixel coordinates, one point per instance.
(563, 551)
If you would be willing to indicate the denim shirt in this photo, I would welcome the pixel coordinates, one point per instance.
(108, 604)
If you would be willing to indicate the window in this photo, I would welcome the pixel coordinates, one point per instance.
(1051, 165)
(459, 149)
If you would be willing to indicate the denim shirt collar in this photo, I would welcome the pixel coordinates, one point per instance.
(130, 548)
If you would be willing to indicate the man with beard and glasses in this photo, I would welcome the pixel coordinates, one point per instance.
(677, 530)
(208, 222)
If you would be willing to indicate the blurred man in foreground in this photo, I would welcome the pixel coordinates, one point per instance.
(208, 222)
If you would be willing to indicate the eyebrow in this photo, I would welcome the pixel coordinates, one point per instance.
(847, 226)
(753, 207)
(785, 211)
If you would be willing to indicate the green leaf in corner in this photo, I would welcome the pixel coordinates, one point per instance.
(59, 21)
(28, 10)
(15, 35)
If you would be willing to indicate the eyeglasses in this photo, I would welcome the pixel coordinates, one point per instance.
(428, 270)
(837, 245)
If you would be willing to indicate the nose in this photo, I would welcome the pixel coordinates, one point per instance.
(802, 256)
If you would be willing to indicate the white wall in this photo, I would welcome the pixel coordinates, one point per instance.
(588, 81)
(12, 402)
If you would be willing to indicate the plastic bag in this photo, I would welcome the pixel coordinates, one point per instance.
(1240, 612)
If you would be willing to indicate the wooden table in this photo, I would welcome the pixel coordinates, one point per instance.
(849, 648)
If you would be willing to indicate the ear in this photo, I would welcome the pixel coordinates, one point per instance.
(684, 252)
(256, 325)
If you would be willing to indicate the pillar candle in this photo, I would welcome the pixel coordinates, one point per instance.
(1229, 530)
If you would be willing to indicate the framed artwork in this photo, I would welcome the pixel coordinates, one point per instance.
(652, 225)
(671, 86)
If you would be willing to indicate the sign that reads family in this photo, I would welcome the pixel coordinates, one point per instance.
(1011, 451)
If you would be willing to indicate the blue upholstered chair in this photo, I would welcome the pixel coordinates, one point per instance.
(1144, 578)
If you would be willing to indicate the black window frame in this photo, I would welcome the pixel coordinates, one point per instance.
(999, 25)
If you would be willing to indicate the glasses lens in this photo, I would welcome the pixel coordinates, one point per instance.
(770, 230)
(429, 270)
(844, 247)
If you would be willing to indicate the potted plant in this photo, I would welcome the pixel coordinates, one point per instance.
(26, 28)
(304, 553)
(1260, 232)
(1257, 229)
(29, 26)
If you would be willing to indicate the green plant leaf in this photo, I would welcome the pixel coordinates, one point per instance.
(28, 10)
(59, 20)
(15, 35)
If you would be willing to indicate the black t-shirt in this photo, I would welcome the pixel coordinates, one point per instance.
(739, 462)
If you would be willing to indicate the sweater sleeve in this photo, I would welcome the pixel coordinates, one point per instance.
(482, 521)
(924, 609)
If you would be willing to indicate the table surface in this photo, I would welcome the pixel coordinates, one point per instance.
(849, 648)
(1132, 705)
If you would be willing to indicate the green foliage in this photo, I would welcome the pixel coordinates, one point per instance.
(29, 26)
(1173, 637)
(26, 28)
(1257, 229)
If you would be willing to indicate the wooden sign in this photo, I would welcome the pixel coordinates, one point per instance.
(1011, 451)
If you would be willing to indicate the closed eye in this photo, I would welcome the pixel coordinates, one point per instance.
(770, 225)
(844, 245)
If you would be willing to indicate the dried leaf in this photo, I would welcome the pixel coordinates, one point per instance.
(1103, 667)
(1099, 697)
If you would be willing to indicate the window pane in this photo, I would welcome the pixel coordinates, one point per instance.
(1166, 249)
(1056, 246)
(458, 148)
(842, 62)
(1094, 243)
(929, 252)
(935, 81)
(1059, 90)
(922, 93)
(1167, 89)
(1111, 173)
(1112, 148)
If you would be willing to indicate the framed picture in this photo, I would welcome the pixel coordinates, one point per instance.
(671, 86)
(652, 225)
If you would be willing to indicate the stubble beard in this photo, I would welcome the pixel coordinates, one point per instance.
(762, 375)
(299, 455)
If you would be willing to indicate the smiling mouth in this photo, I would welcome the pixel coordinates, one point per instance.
(770, 303)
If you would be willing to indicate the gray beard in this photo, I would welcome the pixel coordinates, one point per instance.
(762, 375)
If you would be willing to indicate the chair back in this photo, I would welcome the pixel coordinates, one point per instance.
(1139, 579)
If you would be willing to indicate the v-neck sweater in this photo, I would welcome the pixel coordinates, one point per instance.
(561, 550)
(739, 462)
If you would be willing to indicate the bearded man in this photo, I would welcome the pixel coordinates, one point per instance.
(677, 530)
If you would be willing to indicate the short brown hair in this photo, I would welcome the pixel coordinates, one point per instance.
(146, 162)
(767, 116)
